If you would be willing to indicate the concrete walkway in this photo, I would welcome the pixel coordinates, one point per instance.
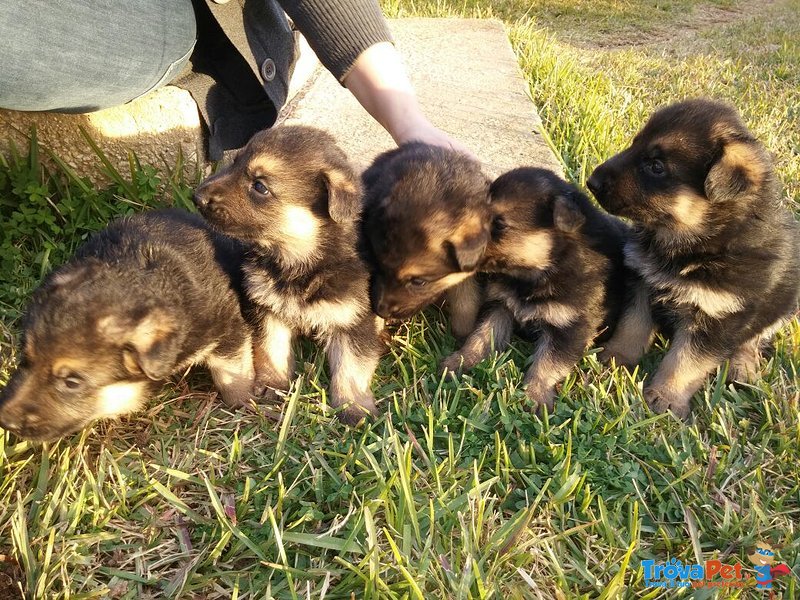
(464, 71)
(468, 83)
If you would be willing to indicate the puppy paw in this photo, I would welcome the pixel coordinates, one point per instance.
(451, 365)
(661, 401)
(620, 358)
(236, 398)
(266, 389)
(744, 372)
(354, 411)
(541, 395)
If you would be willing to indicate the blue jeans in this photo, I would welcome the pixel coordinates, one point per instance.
(80, 56)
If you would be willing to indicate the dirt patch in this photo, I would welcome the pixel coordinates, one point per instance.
(11, 578)
(687, 27)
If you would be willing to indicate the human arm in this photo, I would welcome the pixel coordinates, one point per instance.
(353, 42)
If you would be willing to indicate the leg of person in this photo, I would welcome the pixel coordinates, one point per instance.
(77, 56)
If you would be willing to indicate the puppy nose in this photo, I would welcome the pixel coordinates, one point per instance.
(595, 183)
(384, 309)
(203, 198)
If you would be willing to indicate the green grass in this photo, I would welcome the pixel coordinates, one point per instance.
(459, 492)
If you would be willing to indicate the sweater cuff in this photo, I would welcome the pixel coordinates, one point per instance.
(339, 30)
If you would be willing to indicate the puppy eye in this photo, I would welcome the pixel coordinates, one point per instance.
(71, 381)
(417, 282)
(655, 167)
(499, 225)
(259, 187)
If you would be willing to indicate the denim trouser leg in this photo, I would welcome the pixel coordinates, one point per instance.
(83, 55)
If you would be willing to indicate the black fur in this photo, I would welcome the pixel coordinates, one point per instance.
(425, 225)
(293, 198)
(712, 239)
(142, 299)
(555, 265)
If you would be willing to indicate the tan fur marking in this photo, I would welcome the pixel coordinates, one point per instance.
(68, 364)
(351, 376)
(322, 315)
(679, 376)
(689, 210)
(744, 364)
(30, 348)
(273, 354)
(263, 164)
(715, 303)
(633, 334)
(234, 376)
(468, 229)
(452, 279)
(544, 373)
(299, 227)
(527, 250)
(154, 327)
(342, 181)
(742, 155)
(557, 314)
(463, 303)
(119, 399)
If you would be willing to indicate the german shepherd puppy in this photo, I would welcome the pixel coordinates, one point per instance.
(141, 300)
(425, 228)
(554, 269)
(712, 241)
(292, 197)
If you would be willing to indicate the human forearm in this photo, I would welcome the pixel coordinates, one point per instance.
(338, 31)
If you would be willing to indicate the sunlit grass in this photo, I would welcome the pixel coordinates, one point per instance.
(459, 492)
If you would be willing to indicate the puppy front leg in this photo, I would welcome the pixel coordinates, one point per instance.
(634, 332)
(463, 304)
(493, 332)
(234, 374)
(680, 375)
(745, 362)
(557, 352)
(353, 356)
(274, 357)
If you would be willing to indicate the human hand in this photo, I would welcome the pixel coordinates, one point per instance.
(379, 82)
(422, 130)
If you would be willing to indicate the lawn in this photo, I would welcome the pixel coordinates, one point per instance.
(459, 492)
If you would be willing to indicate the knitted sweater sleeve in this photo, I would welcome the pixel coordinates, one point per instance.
(338, 30)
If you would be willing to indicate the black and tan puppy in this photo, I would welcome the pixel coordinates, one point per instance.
(294, 199)
(712, 241)
(554, 269)
(143, 299)
(425, 228)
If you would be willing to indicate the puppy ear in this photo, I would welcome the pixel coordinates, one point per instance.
(566, 216)
(739, 166)
(344, 193)
(72, 275)
(469, 251)
(151, 343)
